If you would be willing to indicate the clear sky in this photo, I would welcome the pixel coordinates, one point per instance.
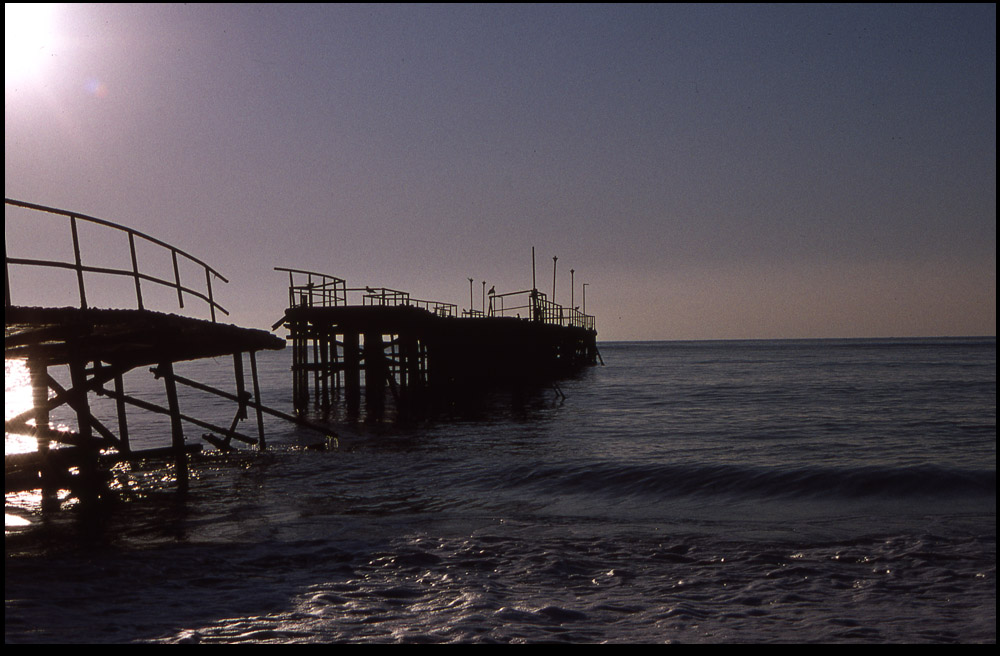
(709, 171)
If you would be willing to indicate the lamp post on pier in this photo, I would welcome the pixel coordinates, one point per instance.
(554, 258)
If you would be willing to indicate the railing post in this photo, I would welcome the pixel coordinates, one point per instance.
(6, 276)
(211, 301)
(79, 264)
(135, 268)
(177, 278)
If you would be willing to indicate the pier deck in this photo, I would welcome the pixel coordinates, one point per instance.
(381, 340)
(75, 353)
(122, 338)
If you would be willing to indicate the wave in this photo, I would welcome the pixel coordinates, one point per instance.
(729, 480)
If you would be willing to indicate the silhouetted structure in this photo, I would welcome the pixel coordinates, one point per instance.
(419, 350)
(377, 339)
(98, 346)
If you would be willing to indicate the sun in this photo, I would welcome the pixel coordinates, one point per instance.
(28, 37)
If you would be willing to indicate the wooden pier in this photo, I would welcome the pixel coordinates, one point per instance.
(93, 348)
(348, 344)
(376, 343)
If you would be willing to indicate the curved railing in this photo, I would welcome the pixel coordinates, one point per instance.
(134, 272)
(312, 289)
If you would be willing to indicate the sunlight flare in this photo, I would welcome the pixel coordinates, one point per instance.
(28, 38)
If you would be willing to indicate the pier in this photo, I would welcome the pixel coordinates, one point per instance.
(350, 345)
(77, 353)
(375, 343)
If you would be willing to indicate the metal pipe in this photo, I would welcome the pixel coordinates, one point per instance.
(572, 288)
(554, 258)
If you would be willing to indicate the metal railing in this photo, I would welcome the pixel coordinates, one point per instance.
(317, 290)
(384, 297)
(134, 272)
(312, 289)
(535, 306)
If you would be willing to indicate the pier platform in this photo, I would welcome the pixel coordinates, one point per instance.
(76, 353)
(377, 342)
(122, 338)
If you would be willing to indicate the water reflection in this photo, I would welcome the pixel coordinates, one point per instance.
(17, 399)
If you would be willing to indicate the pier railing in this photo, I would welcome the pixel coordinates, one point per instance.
(137, 275)
(534, 305)
(312, 289)
(384, 297)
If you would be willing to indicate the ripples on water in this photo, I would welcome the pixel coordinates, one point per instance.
(703, 492)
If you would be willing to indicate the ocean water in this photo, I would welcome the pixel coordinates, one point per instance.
(761, 491)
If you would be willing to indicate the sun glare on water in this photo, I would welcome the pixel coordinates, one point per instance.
(17, 399)
(28, 37)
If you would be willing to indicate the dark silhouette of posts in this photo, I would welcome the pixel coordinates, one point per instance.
(87, 489)
(409, 368)
(256, 398)
(554, 258)
(352, 372)
(166, 369)
(376, 372)
(40, 403)
(422, 352)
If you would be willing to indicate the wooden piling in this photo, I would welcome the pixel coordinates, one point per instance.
(99, 345)
(352, 372)
(123, 435)
(258, 405)
(413, 352)
(40, 404)
(176, 427)
(375, 373)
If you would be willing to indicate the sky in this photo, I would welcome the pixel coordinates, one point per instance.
(708, 171)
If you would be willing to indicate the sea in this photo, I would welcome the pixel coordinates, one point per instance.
(802, 491)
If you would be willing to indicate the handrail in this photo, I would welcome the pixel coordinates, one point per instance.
(539, 308)
(137, 276)
(330, 291)
(323, 290)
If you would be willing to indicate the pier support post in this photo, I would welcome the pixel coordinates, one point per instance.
(352, 372)
(375, 374)
(262, 443)
(324, 356)
(122, 418)
(409, 371)
(300, 366)
(88, 449)
(177, 429)
(40, 403)
(317, 371)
